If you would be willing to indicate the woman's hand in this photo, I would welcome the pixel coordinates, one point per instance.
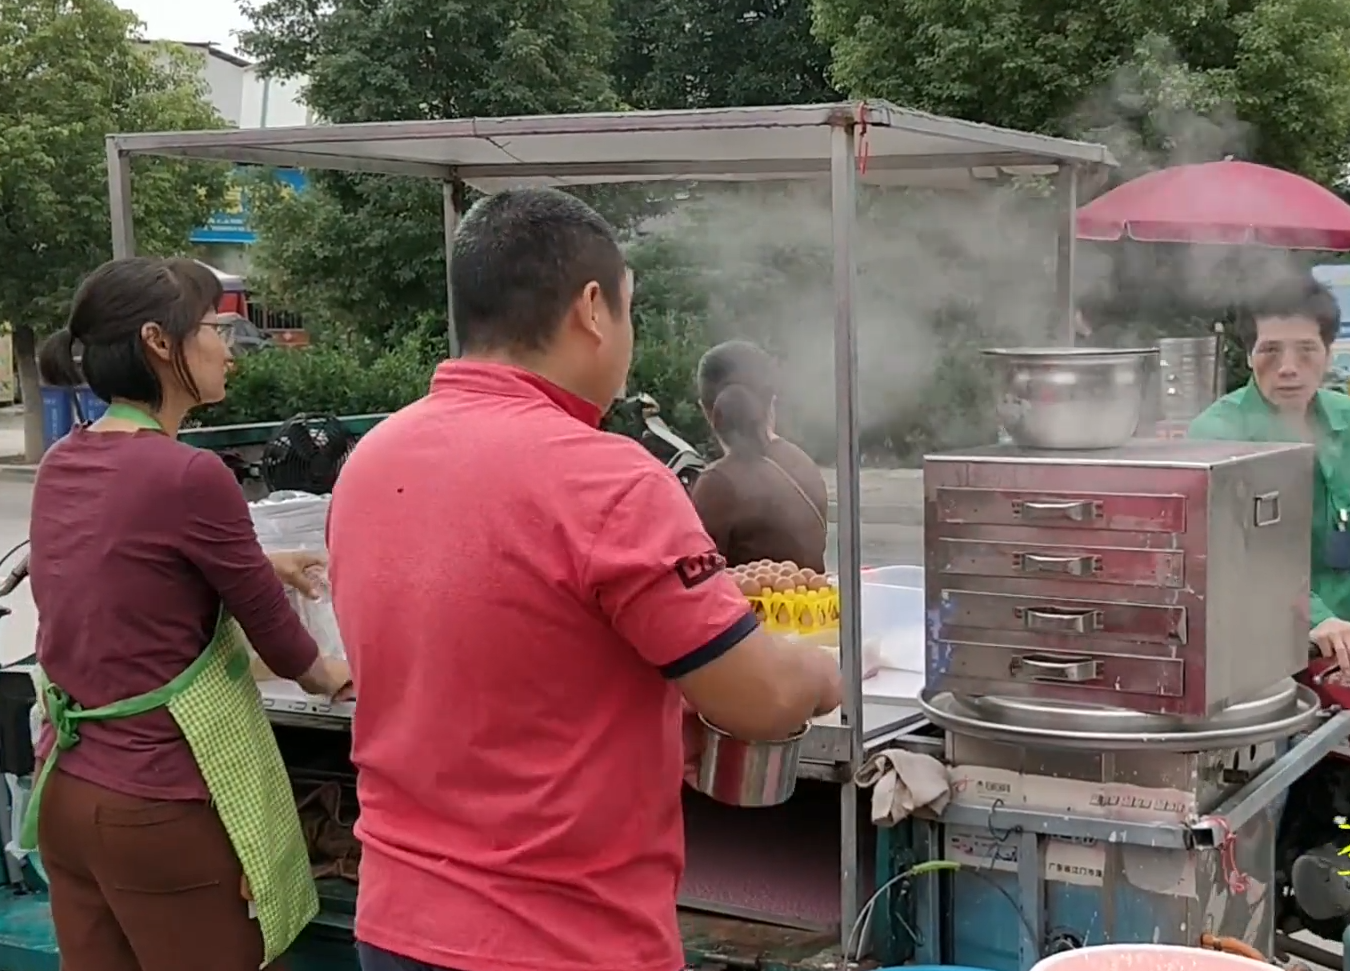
(296, 569)
(328, 677)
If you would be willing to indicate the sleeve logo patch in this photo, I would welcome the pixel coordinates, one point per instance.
(693, 570)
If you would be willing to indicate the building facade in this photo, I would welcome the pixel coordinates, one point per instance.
(245, 99)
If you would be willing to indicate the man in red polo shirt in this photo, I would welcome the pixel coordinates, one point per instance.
(527, 603)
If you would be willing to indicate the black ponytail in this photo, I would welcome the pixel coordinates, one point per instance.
(56, 360)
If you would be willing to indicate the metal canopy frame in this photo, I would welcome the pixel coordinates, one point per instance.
(872, 142)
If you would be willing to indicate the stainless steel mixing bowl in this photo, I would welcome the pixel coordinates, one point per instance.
(1071, 397)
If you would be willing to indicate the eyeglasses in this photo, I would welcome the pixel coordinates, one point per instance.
(224, 328)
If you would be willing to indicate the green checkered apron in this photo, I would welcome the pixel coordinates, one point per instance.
(217, 705)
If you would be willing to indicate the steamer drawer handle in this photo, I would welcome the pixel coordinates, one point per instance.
(1078, 566)
(1069, 670)
(1060, 621)
(1077, 511)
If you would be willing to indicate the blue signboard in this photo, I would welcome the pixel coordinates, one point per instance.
(231, 225)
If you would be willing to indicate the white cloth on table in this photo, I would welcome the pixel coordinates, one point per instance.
(902, 783)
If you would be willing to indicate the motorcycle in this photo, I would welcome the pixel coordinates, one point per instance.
(639, 417)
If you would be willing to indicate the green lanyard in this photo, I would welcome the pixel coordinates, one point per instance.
(134, 415)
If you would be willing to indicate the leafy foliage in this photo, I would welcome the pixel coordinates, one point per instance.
(1157, 70)
(342, 377)
(1159, 80)
(718, 53)
(368, 251)
(364, 254)
(71, 72)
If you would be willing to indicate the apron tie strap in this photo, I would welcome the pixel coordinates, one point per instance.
(62, 712)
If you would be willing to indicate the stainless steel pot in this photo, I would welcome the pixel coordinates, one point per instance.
(1192, 375)
(1071, 397)
(748, 774)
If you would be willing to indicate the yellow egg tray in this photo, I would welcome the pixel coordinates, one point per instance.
(800, 613)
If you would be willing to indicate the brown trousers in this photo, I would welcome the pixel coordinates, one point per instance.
(142, 885)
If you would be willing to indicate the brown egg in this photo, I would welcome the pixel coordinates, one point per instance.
(763, 563)
(817, 583)
(783, 585)
(748, 587)
(797, 578)
(764, 578)
(792, 567)
(808, 572)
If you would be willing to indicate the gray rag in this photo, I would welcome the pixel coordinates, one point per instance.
(903, 782)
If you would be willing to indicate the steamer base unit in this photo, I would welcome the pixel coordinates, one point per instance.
(1067, 837)
(1161, 576)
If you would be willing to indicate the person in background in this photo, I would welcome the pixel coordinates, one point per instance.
(527, 603)
(138, 542)
(1288, 333)
(765, 499)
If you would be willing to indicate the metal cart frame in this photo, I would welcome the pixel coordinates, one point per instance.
(895, 146)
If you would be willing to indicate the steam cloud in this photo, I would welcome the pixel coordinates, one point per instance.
(992, 247)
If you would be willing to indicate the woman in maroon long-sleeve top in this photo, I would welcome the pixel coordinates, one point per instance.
(137, 542)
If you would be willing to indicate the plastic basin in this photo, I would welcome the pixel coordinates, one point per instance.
(1146, 957)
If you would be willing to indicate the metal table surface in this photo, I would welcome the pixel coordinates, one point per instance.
(824, 754)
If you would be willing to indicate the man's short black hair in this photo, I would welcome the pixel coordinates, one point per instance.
(520, 258)
(1296, 295)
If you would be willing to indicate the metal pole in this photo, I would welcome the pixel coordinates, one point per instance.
(119, 200)
(844, 211)
(452, 201)
(1066, 197)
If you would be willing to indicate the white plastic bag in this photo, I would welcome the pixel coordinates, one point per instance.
(320, 620)
(291, 521)
(298, 521)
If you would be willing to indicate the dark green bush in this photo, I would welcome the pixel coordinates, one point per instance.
(341, 378)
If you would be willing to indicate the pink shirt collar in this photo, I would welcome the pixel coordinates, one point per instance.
(508, 381)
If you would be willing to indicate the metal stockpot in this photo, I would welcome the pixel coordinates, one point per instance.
(748, 774)
(1192, 375)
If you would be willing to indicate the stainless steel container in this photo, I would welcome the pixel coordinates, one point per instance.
(1162, 576)
(748, 774)
(1192, 378)
(1071, 398)
(1279, 712)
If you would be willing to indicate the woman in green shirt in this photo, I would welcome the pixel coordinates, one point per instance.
(1288, 333)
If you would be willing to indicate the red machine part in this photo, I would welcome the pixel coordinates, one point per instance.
(1331, 684)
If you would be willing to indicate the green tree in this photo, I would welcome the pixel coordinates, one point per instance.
(367, 252)
(73, 71)
(1169, 77)
(718, 53)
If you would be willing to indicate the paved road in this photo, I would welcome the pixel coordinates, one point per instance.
(17, 630)
(884, 544)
